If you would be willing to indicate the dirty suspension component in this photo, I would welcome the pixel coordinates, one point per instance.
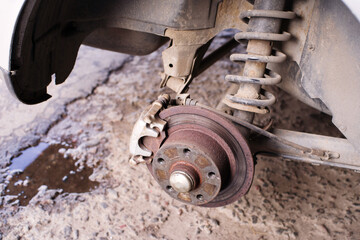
(197, 155)
(184, 99)
(263, 27)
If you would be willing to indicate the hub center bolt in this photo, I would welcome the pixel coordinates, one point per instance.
(181, 181)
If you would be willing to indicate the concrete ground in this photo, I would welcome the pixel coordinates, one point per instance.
(87, 125)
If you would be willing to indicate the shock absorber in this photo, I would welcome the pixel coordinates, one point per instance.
(263, 29)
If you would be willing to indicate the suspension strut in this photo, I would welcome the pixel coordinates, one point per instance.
(264, 23)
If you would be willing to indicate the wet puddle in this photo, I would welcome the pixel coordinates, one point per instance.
(45, 165)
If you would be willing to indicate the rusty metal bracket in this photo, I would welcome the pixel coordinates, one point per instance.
(346, 155)
(179, 64)
(179, 79)
(183, 60)
(148, 125)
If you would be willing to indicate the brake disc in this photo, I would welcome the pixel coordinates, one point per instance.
(203, 160)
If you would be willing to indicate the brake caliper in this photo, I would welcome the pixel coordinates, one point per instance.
(148, 125)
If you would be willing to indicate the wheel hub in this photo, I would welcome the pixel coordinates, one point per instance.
(204, 160)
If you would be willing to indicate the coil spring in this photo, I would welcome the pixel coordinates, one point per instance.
(270, 77)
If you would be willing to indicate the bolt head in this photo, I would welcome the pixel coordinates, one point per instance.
(181, 181)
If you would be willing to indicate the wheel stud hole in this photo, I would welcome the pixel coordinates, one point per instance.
(161, 161)
(211, 175)
(200, 197)
(169, 188)
(186, 151)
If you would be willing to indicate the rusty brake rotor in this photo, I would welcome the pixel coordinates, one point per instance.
(202, 159)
